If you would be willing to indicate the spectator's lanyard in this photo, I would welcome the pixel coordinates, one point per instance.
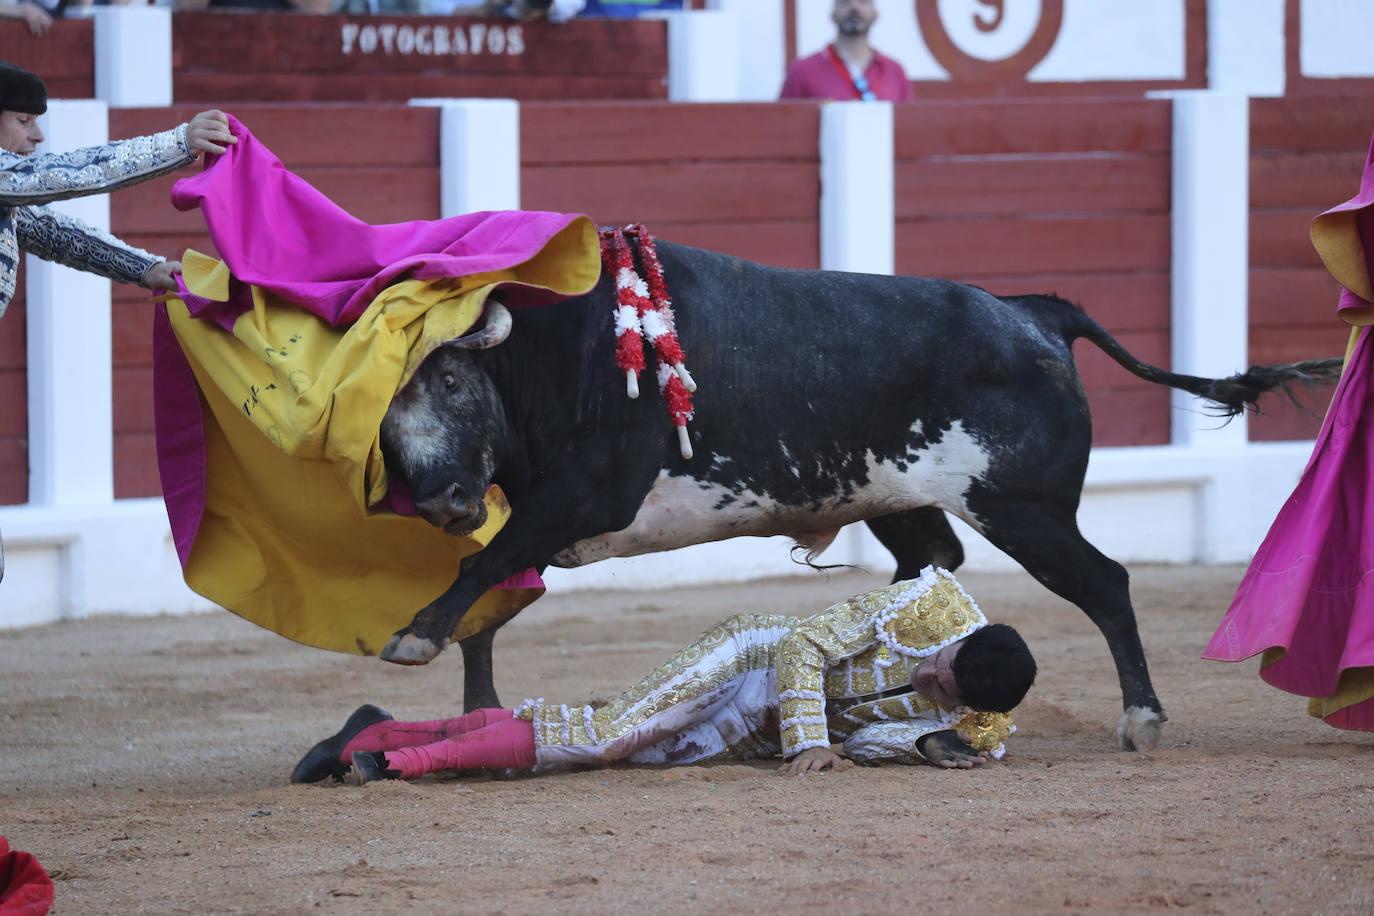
(862, 89)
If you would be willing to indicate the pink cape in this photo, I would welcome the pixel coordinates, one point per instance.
(1309, 589)
(1309, 593)
(276, 231)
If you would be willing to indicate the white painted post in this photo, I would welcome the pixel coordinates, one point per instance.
(1211, 259)
(761, 46)
(133, 56)
(1210, 289)
(857, 190)
(479, 154)
(858, 231)
(1245, 46)
(704, 55)
(71, 430)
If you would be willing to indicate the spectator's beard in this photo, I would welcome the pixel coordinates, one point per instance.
(853, 24)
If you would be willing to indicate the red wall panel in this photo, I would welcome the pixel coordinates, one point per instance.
(1053, 196)
(14, 413)
(743, 179)
(64, 56)
(1306, 154)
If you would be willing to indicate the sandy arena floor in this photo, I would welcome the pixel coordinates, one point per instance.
(145, 763)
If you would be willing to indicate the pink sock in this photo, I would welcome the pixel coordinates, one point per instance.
(391, 735)
(508, 744)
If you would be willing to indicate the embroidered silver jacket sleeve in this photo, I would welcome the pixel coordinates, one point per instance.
(67, 240)
(28, 181)
(45, 177)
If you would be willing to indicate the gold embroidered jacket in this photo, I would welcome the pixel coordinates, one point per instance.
(758, 685)
(832, 667)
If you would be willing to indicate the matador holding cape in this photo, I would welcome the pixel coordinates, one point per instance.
(907, 673)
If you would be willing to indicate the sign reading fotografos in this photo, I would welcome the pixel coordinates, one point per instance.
(431, 39)
(224, 58)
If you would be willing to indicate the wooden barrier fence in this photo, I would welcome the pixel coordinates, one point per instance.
(1306, 154)
(1070, 197)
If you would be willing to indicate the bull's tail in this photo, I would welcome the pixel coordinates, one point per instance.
(1232, 395)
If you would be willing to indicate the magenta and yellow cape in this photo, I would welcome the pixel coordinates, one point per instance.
(273, 368)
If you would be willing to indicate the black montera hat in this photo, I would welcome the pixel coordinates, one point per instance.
(21, 90)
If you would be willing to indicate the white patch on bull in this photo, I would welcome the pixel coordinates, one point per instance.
(681, 511)
(416, 429)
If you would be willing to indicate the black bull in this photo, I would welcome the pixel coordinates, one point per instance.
(825, 398)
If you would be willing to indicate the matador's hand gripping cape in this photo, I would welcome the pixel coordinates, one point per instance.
(273, 368)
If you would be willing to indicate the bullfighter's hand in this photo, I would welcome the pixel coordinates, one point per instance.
(814, 760)
(208, 132)
(161, 274)
(950, 749)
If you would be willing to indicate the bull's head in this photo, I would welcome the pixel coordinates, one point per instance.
(444, 430)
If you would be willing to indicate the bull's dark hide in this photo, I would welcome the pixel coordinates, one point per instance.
(824, 398)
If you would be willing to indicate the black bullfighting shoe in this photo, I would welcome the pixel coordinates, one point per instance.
(326, 758)
(370, 766)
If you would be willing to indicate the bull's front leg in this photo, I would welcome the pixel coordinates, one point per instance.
(431, 629)
(479, 681)
(528, 539)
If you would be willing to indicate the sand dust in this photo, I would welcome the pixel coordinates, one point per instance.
(145, 763)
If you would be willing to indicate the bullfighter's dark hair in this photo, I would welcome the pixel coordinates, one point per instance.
(994, 669)
(21, 90)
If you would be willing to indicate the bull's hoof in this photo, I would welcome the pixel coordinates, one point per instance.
(409, 649)
(1138, 729)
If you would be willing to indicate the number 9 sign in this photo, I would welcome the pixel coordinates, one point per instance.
(989, 41)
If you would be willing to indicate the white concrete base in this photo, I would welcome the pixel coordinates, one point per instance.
(69, 562)
(1140, 505)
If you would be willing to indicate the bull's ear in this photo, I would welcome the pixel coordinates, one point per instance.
(495, 331)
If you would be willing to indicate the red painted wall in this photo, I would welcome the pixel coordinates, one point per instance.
(64, 56)
(1066, 197)
(1062, 196)
(740, 178)
(14, 412)
(1306, 154)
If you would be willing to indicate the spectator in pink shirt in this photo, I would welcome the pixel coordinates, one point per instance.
(850, 68)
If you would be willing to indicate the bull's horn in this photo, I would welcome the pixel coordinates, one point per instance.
(496, 331)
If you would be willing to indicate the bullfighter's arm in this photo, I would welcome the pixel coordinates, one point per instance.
(46, 177)
(839, 632)
(67, 240)
(937, 737)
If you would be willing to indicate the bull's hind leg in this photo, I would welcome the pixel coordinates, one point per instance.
(918, 538)
(1047, 542)
(479, 686)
